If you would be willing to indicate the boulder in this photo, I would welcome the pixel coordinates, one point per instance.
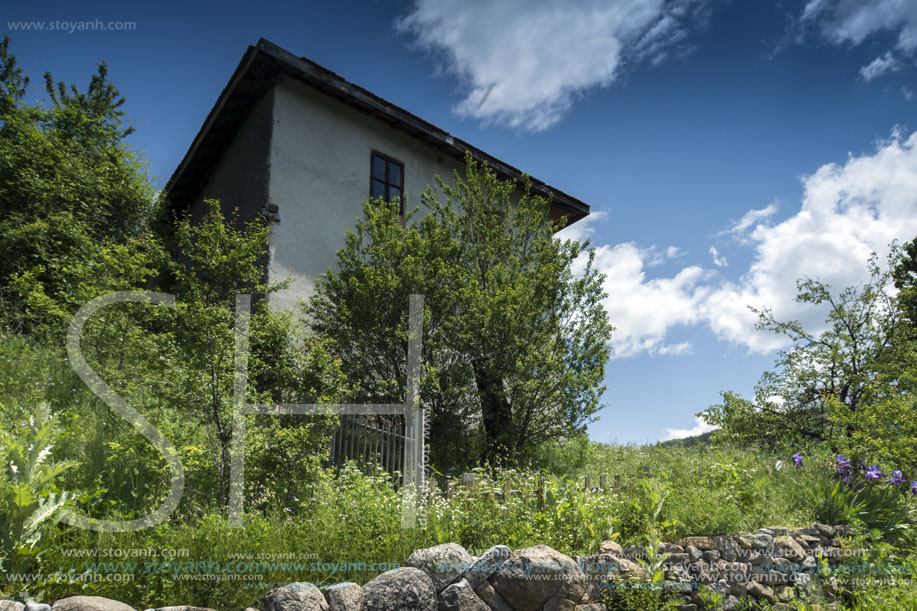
(404, 589)
(443, 563)
(492, 598)
(759, 590)
(346, 596)
(295, 597)
(534, 575)
(611, 547)
(460, 597)
(727, 548)
(11, 605)
(486, 565)
(701, 543)
(90, 603)
(789, 548)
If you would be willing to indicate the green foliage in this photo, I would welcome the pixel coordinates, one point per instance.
(73, 199)
(28, 496)
(905, 277)
(848, 385)
(515, 337)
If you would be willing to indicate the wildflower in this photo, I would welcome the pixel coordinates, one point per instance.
(913, 488)
(873, 472)
(897, 478)
(797, 459)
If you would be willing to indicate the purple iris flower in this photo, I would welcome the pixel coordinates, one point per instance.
(797, 459)
(873, 472)
(913, 488)
(897, 478)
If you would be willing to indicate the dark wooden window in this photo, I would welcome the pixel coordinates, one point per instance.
(386, 179)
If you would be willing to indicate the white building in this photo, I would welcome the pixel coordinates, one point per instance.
(293, 141)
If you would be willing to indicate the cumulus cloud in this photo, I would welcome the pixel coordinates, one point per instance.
(852, 21)
(847, 212)
(643, 309)
(673, 252)
(523, 63)
(700, 428)
(879, 66)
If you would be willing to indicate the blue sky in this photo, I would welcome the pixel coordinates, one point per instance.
(726, 148)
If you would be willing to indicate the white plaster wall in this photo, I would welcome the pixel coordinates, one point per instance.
(319, 178)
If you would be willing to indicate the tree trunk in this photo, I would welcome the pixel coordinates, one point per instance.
(497, 415)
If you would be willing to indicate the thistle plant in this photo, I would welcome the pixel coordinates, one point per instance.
(28, 497)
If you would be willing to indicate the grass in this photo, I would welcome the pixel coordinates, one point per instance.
(346, 525)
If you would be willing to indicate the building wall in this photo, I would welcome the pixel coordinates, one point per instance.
(319, 178)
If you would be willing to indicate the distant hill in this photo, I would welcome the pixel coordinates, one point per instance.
(688, 442)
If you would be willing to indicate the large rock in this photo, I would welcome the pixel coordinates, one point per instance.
(605, 567)
(702, 543)
(11, 605)
(611, 547)
(295, 597)
(404, 589)
(460, 597)
(443, 563)
(346, 596)
(492, 598)
(759, 590)
(534, 575)
(789, 548)
(727, 547)
(486, 565)
(90, 603)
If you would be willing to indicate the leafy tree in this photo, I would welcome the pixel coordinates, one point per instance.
(905, 277)
(515, 337)
(73, 198)
(828, 384)
(217, 258)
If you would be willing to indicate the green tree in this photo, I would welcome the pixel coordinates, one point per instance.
(905, 277)
(73, 198)
(515, 337)
(829, 383)
(217, 258)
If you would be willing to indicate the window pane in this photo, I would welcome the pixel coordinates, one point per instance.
(394, 175)
(378, 188)
(393, 192)
(378, 167)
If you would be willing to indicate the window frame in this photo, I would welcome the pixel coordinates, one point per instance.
(389, 161)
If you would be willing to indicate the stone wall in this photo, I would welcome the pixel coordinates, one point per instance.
(768, 565)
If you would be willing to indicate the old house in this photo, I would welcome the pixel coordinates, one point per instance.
(294, 141)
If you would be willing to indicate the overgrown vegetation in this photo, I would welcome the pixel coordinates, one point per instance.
(514, 348)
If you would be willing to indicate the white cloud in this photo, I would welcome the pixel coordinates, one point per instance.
(700, 428)
(643, 309)
(852, 21)
(523, 63)
(750, 219)
(677, 349)
(582, 229)
(718, 260)
(848, 211)
(879, 66)
(907, 93)
(673, 252)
